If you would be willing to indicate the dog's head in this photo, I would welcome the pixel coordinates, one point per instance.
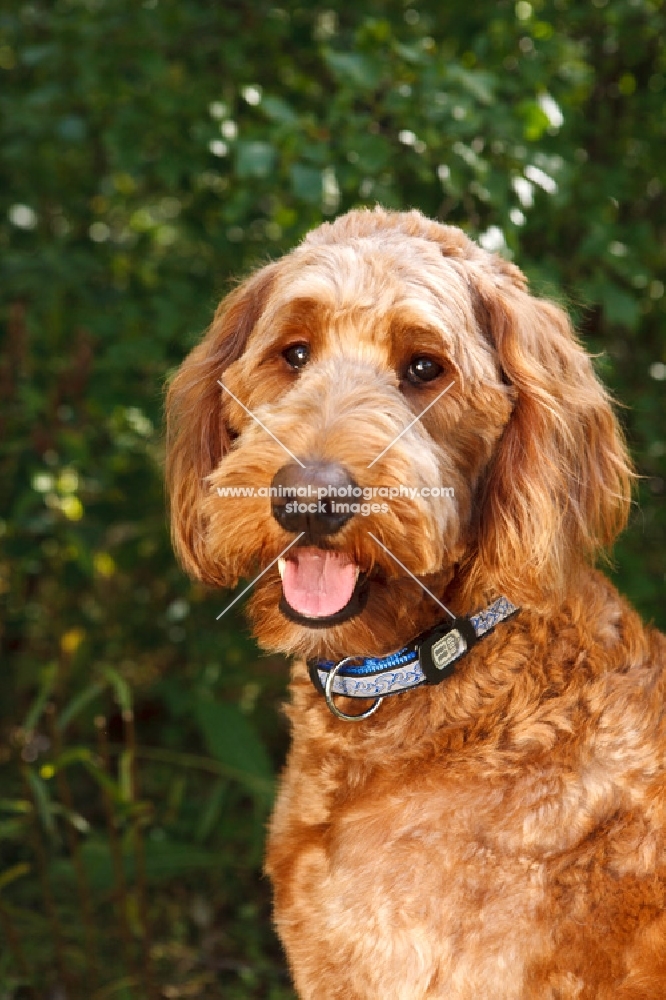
(390, 399)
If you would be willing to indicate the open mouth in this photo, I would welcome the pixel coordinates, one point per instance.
(320, 587)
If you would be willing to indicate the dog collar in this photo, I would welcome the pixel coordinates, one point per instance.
(428, 659)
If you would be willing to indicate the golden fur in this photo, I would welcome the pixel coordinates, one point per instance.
(502, 834)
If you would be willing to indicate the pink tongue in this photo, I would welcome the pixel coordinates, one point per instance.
(318, 583)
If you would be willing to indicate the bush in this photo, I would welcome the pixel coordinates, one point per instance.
(150, 152)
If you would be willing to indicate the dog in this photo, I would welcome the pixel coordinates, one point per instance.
(474, 802)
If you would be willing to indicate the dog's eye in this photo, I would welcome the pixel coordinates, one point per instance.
(297, 356)
(423, 369)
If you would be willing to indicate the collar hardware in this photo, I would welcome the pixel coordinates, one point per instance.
(443, 647)
(328, 694)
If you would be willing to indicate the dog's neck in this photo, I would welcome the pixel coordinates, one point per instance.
(428, 659)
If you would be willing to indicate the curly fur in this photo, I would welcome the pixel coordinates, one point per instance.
(501, 834)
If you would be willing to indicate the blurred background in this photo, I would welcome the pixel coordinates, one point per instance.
(149, 151)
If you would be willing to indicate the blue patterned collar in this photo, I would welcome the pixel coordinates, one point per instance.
(428, 659)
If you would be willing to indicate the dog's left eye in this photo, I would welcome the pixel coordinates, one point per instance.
(423, 369)
(297, 355)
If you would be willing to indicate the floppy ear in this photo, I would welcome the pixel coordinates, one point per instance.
(559, 487)
(197, 437)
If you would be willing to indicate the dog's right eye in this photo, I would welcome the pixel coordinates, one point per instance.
(423, 369)
(297, 356)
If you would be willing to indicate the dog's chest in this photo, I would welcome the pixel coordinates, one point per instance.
(406, 895)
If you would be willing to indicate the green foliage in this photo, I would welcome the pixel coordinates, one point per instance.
(149, 151)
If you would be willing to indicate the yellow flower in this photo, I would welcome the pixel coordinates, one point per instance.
(72, 639)
(104, 564)
(72, 508)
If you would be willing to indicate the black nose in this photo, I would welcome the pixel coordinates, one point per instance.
(315, 498)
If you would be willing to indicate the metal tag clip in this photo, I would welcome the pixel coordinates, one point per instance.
(439, 653)
(328, 694)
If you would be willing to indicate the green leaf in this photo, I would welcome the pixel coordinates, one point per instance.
(74, 755)
(16, 806)
(48, 679)
(354, 69)
(254, 158)
(211, 811)
(232, 740)
(78, 703)
(479, 84)
(278, 110)
(12, 829)
(620, 307)
(34, 54)
(373, 151)
(306, 183)
(410, 53)
(164, 859)
(120, 687)
(42, 801)
(71, 128)
(11, 874)
(534, 118)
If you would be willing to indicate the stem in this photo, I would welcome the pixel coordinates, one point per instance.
(139, 855)
(15, 948)
(83, 887)
(190, 760)
(120, 889)
(49, 905)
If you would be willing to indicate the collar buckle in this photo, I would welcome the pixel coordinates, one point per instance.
(443, 646)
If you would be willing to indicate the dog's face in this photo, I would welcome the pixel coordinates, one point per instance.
(424, 426)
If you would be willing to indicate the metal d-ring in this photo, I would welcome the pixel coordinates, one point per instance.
(328, 692)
